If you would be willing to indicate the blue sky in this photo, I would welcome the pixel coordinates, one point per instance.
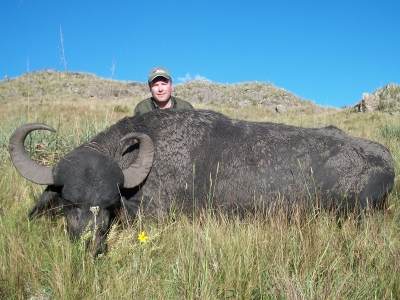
(326, 51)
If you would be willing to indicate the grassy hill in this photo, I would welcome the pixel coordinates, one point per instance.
(210, 256)
(48, 85)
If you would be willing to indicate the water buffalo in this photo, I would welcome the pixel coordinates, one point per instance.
(190, 159)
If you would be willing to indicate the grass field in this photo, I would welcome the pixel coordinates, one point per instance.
(205, 257)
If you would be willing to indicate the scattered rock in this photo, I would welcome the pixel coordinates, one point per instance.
(280, 109)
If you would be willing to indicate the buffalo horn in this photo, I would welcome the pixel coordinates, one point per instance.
(137, 172)
(22, 161)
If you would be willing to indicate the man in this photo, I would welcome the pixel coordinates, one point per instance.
(160, 84)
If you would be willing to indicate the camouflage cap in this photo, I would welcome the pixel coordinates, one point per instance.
(157, 72)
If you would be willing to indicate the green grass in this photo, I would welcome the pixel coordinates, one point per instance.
(206, 257)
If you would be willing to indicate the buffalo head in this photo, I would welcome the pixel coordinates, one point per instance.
(85, 184)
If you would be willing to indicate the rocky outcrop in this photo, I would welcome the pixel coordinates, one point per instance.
(383, 99)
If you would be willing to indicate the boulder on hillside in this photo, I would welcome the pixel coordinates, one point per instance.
(280, 109)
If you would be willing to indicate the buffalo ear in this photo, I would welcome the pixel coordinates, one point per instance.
(49, 203)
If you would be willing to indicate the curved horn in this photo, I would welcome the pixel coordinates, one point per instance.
(21, 160)
(137, 172)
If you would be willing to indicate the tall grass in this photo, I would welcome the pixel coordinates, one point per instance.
(210, 256)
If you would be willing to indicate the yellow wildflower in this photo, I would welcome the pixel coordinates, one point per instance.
(142, 237)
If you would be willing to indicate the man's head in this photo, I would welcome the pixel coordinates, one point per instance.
(160, 83)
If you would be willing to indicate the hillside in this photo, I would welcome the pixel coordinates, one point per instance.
(47, 85)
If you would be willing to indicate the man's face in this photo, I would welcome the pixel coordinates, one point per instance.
(161, 89)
